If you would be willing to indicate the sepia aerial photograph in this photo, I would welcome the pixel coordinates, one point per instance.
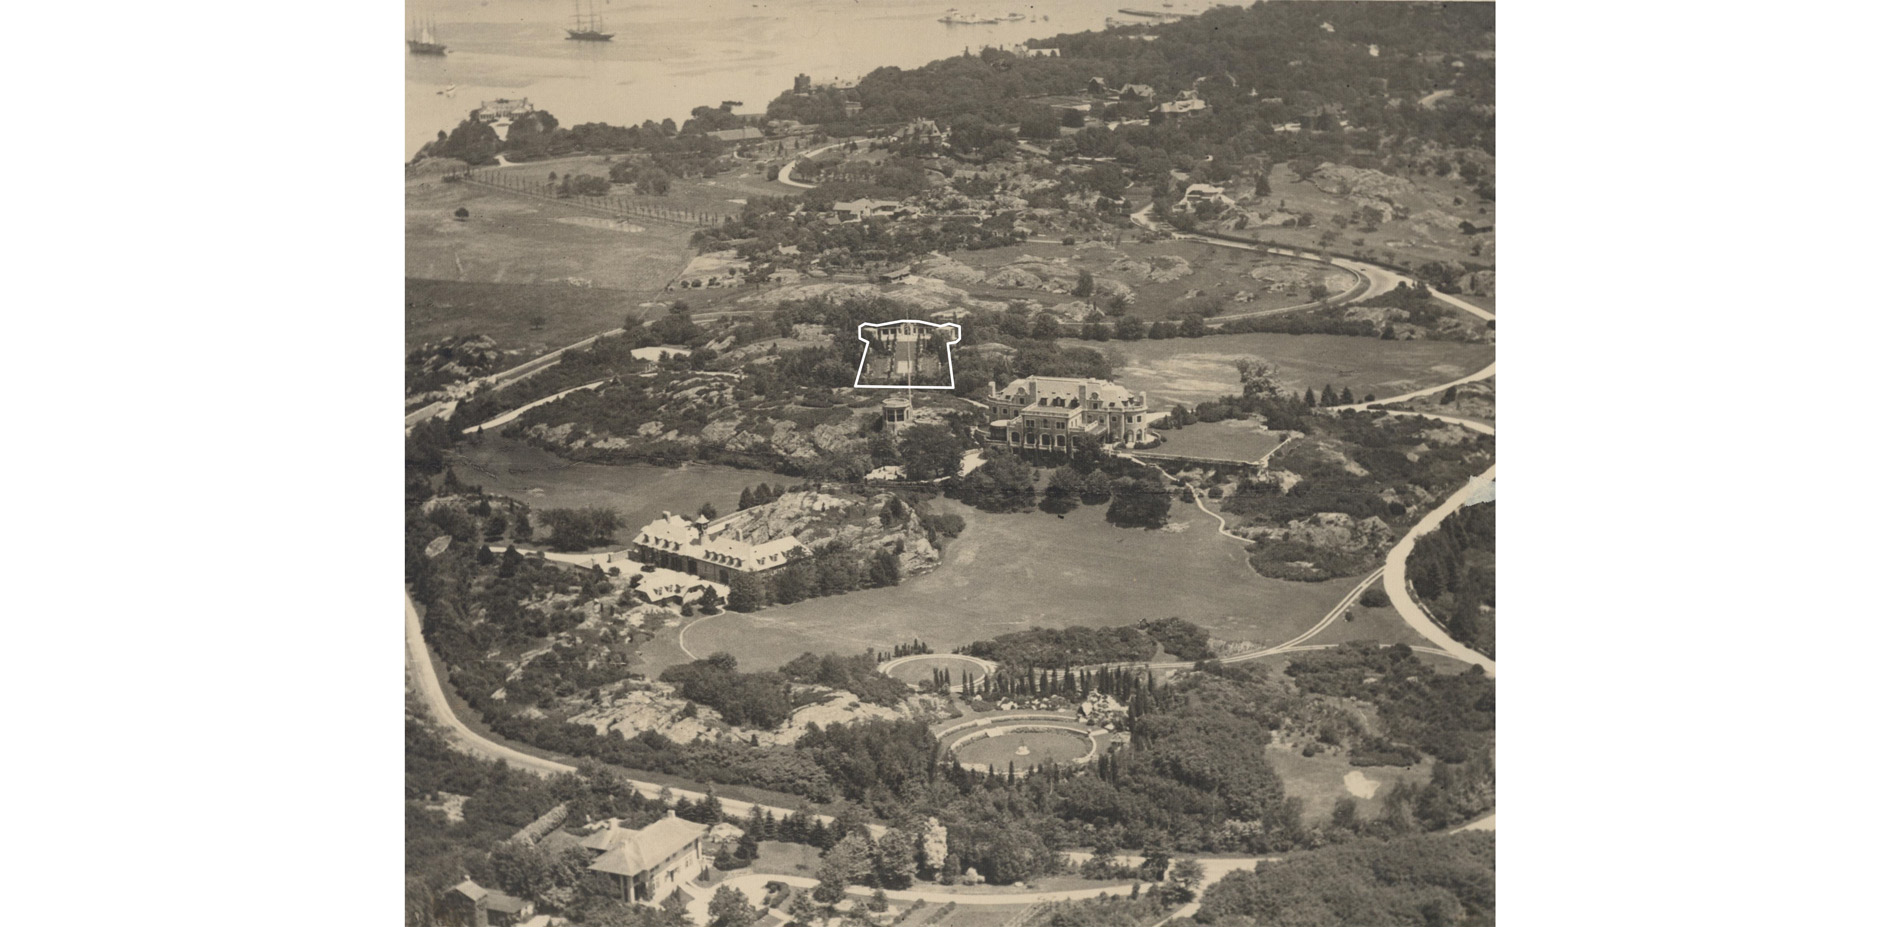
(1013, 464)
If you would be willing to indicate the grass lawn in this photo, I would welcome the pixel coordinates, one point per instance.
(1012, 572)
(918, 671)
(1192, 370)
(639, 492)
(1240, 440)
(780, 858)
(1321, 780)
(974, 915)
(1044, 747)
(1371, 624)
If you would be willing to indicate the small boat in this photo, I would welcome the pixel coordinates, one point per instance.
(448, 91)
(422, 39)
(968, 19)
(589, 29)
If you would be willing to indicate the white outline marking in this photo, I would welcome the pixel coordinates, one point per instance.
(949, 356)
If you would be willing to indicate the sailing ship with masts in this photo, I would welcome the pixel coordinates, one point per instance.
(422, 38)
(587, 30)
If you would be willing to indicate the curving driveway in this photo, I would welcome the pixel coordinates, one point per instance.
(1397, 588)
(785, 173)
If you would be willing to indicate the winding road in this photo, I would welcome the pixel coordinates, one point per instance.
(429, 687)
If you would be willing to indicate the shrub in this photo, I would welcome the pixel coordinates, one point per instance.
(1375, 597)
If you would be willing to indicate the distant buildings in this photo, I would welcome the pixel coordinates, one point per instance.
(646, 866)
(1189, 103)
(1203, 193)
(503, 110)
(1047, 413)
(734, 136)
(704, 549)
(860, 209)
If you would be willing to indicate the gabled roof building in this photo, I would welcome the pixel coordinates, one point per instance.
(705, 548)
(647, 865)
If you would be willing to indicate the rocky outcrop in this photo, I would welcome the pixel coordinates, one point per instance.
(1034, 273)
(1333, 531)
(1164, 269)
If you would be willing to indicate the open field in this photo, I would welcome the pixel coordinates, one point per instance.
(1370, 624)
(1012, 572)
(509, 238)
(639, 492)
(1192, 370)
(1045, 746)
(438, 309)
(1242, 440)
(1217, 271)
(1413, 239)
(712, 195)
(1321, 780)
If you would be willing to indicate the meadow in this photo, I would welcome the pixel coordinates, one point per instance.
(1010, 572)
(1192, 370)
(638, 492)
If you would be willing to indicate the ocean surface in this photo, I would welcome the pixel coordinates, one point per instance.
(668, 57)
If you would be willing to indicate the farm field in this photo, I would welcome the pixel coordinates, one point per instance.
(1242, 440)
(1011, 572)
(639, 492)
(1192, 370)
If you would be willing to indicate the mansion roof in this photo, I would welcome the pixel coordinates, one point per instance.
(709, 542)
(1029, 390)
(632, 852)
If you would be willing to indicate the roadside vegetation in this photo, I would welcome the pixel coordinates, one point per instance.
(1454, 572)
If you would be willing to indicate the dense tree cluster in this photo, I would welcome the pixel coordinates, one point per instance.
(762, 700)
(1419, 880)
(1454, 571)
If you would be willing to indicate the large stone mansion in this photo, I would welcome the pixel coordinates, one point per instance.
(705, 549)
(1046, 413)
